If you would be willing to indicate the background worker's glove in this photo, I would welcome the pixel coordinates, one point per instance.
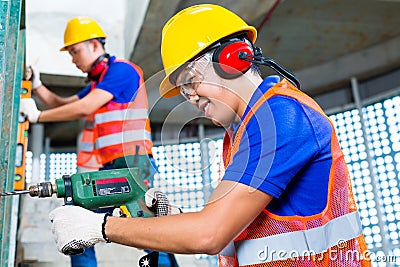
(35, 77)
(158, 203)
(29, 110)
(75, 228)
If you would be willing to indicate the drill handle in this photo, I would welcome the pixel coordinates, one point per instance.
(137, 208)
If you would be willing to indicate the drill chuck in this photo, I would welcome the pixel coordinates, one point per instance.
(42, 190)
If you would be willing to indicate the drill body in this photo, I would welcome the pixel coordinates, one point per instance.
(119, 188)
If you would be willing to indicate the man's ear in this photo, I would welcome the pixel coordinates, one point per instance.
(96, 45)
(91, 45)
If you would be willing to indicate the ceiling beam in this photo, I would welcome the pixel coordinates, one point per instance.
(362, 64)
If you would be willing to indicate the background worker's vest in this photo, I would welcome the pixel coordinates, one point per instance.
(116, 130)
(331, 238)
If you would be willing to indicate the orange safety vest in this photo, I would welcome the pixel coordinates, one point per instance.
(331, 238)
(116, 129)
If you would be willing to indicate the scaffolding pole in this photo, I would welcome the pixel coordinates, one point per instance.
(11, 66)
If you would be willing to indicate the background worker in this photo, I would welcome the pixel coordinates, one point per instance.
(285, 186)
(117, 127)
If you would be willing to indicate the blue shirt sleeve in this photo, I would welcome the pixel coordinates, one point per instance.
(121, 80)
(286, 144)
(82, 93)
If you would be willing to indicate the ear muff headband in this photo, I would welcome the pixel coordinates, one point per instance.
(226, 56)
(234, 57)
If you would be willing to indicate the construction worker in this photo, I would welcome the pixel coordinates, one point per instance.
(117, 127)
(285, 196)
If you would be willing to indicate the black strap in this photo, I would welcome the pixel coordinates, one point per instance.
(258, 59)
(103, 227)
(172, 260)
(68, 200)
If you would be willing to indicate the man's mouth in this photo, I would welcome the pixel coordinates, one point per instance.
(204, 106)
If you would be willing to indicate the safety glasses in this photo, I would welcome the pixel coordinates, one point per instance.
(193, 74)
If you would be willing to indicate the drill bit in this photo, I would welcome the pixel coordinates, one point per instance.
(14, 193)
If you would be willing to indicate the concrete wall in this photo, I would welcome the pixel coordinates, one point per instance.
(46, 21)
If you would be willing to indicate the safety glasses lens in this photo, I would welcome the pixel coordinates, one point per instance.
(193, 75)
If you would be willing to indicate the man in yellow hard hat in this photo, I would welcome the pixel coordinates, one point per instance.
(285, 196)
(117, 130)
(113, 103)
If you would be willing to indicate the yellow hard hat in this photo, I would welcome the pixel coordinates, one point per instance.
(81, 29)
(193, 30)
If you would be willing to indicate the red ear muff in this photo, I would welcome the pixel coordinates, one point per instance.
(98, 67)
(229, 65)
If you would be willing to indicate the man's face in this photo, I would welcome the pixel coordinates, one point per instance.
(200, 85)
(82, 55)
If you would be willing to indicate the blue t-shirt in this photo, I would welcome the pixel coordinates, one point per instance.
(286, 153)
(121, 80)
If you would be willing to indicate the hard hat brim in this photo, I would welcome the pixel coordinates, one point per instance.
(64, 48)
(167, 89)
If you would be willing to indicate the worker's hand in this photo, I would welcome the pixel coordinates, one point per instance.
(158, 203)
(29, 110)
(75, 228)
(35, 77)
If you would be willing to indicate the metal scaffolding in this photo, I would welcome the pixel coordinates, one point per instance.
(12, 47)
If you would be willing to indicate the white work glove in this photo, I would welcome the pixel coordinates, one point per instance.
(29, 110)
(158, 203)
(36, 82)
(75, 228)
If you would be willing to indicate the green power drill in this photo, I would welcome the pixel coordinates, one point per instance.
(119, 188)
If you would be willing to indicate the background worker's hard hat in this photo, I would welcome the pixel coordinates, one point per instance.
(81, 29)
(193, 30)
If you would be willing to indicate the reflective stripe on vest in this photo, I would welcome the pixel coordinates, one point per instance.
(119, 115)
(302, 243)
(115, 139)
(229, 250)
(86, 146)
